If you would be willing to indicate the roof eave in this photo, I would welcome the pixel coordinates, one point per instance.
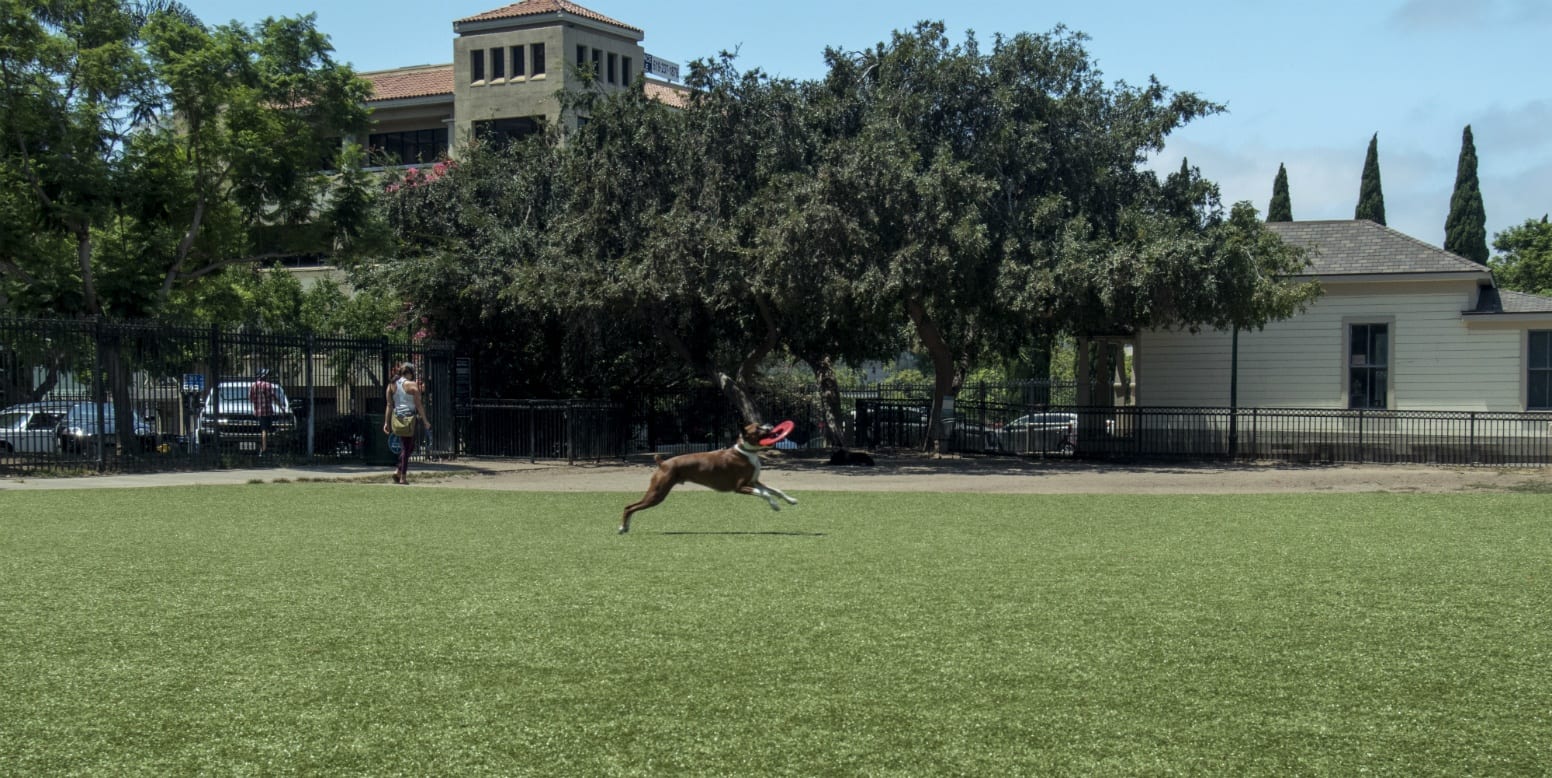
(1372, 278)
(410, 102)
(475, 26)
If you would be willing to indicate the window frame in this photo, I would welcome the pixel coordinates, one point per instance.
(519, 62)
(1387, 396)
(498, 63)
(1531, 369)
(536, 55)
(476, 66)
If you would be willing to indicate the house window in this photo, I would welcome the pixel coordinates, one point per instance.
(1368, 365)
(498, 63)
(612, 62)
(597, 55)
(1538, 376)
(500, 132)
(625, 70)
(537, 50)
(581, 57)
(477, 65)
(409, 147)
(517, 62)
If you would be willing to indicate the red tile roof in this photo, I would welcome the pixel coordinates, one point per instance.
(533, 7)
(419, 81)
(668, 94)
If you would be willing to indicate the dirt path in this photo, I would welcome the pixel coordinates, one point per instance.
(899, 473)
(919, 474)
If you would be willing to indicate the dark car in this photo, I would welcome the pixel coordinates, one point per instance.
(79, 432)
(227, 413)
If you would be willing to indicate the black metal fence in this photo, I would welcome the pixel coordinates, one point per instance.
(63, 385)
(1303, 435)
(66, 384)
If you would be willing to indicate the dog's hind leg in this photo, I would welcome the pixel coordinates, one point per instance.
(656, 493)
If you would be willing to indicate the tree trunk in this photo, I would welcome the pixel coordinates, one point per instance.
(83, 254)
(946, 376)
(736, 394)
(829, 402)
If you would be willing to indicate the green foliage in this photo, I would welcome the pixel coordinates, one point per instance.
(1465, 229)
(146, 152)
(1371, 197)
(1281, 209)
(222, 630)
(1524, 261)
(992, 199)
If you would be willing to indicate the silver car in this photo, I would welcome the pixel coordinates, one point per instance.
(1045, 433)
(31, 428)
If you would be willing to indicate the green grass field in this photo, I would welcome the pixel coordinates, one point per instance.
(349, 629)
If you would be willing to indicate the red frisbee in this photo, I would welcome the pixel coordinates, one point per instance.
(778, 433)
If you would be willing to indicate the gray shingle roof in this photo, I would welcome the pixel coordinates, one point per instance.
(1362, 247)
(1520, 302)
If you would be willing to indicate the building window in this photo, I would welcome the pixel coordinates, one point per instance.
(1538, 376)
(625, 68)
(518, 71)
(409, 147)
(500, 132)
(1368, 365)
(597, 55)
(537, 50)
(498, 63)
(612, 62)
(477, 65)
(581, 57)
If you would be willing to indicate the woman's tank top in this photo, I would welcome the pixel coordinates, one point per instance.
(403, 403)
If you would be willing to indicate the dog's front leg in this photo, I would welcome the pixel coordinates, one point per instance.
(779, 493)
(760, 491)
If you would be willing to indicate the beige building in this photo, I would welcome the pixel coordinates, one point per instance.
(1402, 325)
(508, 64)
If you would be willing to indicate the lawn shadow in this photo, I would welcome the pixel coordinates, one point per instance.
(790, 533)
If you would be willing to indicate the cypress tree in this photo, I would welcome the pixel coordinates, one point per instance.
(1281, 209)
(1371, 200)
(1465, 230)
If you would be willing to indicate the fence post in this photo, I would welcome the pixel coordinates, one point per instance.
(99, 398)
(312, 405)
(1471, 446)
(1360, 436)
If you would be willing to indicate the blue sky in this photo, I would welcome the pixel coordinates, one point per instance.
(1306, 84)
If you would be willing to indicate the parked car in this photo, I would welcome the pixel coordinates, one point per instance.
(227, 413)
(1042, 433)
(31, 428)
(79, 433)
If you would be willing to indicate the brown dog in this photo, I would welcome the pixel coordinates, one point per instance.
(732, 469)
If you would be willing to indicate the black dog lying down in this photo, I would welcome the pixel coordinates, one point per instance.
(842, 457)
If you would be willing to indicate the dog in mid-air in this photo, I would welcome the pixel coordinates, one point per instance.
(732, 469)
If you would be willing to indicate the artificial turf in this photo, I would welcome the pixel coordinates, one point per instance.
(369, 630)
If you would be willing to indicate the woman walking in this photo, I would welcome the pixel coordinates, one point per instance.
(404, 408)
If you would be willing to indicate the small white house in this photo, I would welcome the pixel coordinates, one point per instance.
(1401, 325)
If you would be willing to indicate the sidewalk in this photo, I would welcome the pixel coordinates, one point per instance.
(324, 472)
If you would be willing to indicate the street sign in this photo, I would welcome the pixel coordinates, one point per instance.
(661, 68)
(193, 382)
